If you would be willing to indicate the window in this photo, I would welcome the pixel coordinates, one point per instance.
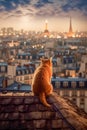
(2, 68)
(65, 84)
(21, 57)
(30, 76)
(74, 100)
(27, 71)
(82, 102)
(30, 57)
(65, 93)
(82, 93)
(19, 72)
(26, 57)
(66, 61)
(31, 71)
(26, 77)
(73, 84)
(74, 93)
(57, 84)
(23, 71)
(17, 78)
(20, 78)
(81, 84)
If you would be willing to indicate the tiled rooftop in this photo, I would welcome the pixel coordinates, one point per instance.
(23, 111)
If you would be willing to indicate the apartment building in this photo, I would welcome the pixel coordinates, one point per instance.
(74, 89)
(17, 72)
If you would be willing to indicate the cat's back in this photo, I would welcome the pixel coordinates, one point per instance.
(40, 73)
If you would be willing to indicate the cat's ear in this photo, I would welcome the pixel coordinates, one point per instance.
(41, 59)
(50, 58)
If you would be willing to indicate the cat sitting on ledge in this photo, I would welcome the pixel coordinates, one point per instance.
(41, 83)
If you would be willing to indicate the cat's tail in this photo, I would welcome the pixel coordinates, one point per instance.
(42, 97)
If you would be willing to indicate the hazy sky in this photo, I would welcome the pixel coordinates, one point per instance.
(31, 14)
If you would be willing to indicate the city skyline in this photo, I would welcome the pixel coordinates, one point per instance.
(31, 14)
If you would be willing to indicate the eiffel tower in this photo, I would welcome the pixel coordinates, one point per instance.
(46, 31)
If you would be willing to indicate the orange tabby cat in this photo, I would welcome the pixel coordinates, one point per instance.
(41, 83)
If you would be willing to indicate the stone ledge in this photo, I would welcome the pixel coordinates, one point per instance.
(27, 112)
(70, 112)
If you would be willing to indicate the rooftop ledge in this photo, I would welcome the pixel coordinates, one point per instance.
(24, 111)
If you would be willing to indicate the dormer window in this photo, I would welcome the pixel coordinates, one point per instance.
(2, 68)
(73, 84)
(20, 57)
(30, 57)
(81, 84)
(26, 57)
(66, 61)
(31, 71)
(19, 72)
(23, 71)
(27, 71)
(57, 84)
(65, 84)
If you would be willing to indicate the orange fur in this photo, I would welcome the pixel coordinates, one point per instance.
(41, 85)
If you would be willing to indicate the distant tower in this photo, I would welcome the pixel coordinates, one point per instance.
(70, 27)
(46, 32)
(70, 33)
(46, 25)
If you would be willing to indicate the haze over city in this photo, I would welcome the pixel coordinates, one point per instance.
(31, 14)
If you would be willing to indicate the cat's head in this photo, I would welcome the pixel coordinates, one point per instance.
(46, 61)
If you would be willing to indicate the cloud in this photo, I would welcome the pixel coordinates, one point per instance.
(42, 9)
(2, 8)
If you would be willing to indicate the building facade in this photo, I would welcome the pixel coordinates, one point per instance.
(74, 89)
(20, 73)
